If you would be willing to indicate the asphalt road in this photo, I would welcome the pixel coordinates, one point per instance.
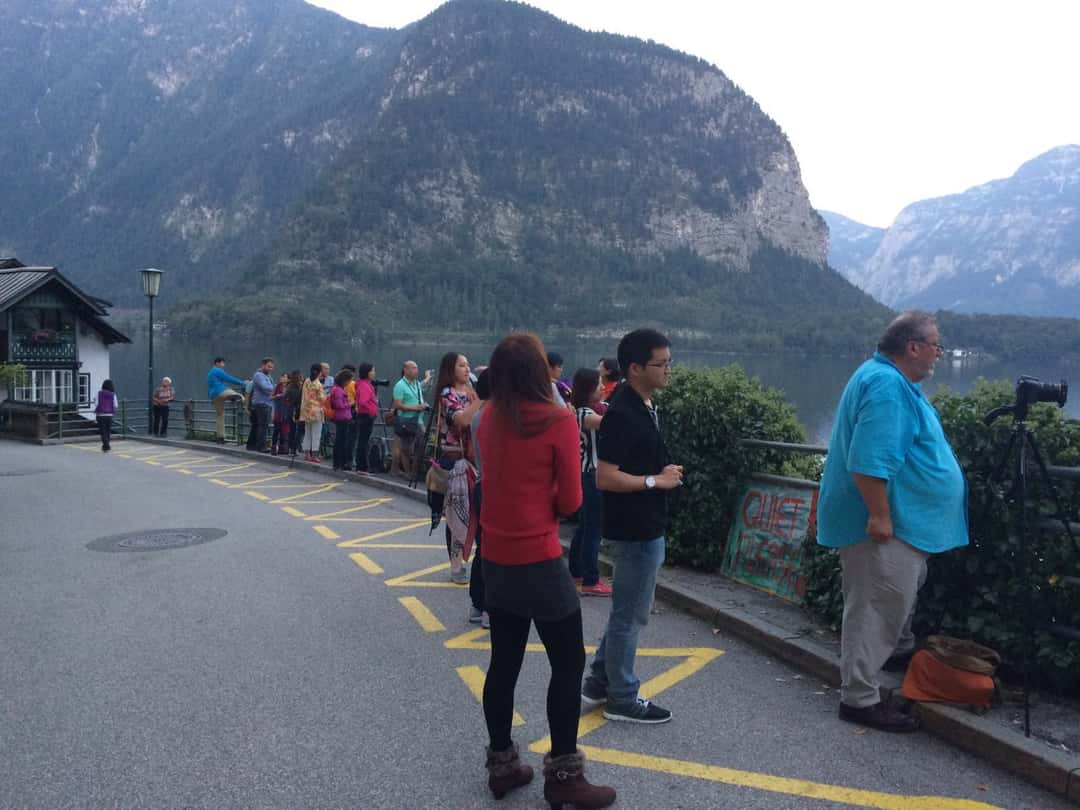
(317, 656)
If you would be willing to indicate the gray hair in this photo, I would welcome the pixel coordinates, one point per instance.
(911, 324)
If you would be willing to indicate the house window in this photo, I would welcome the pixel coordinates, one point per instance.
(50, 386)
(84, 389)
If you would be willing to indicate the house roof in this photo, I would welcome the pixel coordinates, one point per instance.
(17, 281)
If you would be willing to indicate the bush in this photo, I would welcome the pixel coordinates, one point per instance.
(977, 592)
(703, 414)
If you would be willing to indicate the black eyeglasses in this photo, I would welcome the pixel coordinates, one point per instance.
(938, 347)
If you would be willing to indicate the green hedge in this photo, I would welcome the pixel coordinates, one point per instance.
(704, 413)
(976, 592)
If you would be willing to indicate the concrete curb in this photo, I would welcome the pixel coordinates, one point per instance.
(1032, 760)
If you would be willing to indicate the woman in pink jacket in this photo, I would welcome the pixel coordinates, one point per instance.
(367, 408)
(339, 404)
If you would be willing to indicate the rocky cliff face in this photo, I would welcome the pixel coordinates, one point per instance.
(245, 143)
(1009, 246)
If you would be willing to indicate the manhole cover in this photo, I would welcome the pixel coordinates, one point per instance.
(18, 473)
(155, 540)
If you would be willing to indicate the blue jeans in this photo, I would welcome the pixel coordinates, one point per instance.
(586, 543)
(633, 586)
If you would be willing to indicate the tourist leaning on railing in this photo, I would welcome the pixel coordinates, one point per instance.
(218, 392)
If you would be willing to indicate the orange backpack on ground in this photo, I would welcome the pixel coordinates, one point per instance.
(952, 670)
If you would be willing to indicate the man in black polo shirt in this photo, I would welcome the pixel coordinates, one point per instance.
(634, 475)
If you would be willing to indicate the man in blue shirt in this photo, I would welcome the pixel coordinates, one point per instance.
(892, 494)
(218, 392)
(262, 405)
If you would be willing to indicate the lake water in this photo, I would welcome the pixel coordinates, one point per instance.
(812, 384)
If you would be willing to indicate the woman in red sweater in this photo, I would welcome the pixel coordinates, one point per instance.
(532, 476)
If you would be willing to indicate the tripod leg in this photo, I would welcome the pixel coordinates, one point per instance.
(1048, 483)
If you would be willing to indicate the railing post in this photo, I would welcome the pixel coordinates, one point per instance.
(60, 423)
(123, 417)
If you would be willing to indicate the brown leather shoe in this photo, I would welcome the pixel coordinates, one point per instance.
(881, 717)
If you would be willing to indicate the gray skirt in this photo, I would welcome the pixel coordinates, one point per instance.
(543, 591)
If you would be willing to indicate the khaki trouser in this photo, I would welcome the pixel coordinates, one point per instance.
(880, 583)
(219, 409)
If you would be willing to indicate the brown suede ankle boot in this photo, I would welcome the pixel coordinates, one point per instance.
(565, 784)
(505, 771)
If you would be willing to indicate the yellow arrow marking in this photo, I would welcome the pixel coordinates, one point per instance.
(424, 617)
(326, 532)
(365, 562)
(474, 679)
(411, 580)
(359, 541)
(779, 784)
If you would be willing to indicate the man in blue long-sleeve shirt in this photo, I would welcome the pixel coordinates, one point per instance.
(262, 406)
(218, 392)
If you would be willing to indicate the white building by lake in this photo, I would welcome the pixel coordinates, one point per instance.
(59, 335)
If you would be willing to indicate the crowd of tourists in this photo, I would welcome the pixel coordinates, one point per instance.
(528, 448)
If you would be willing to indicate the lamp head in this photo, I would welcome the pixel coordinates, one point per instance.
(151, 282)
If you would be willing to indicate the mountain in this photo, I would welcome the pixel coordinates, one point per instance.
(851, 244)
(1009, 246)
(485, 168)
(173, 134)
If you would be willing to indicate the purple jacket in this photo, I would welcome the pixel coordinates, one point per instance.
(339, 402)
(106, 403)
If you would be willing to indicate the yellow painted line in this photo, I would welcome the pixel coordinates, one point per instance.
(474, 679)
(406, 545)
(219, 482)
(227, 469)
(413, 579)
(155, 463)
(121, 455)
(196, 463)
(471, 639)
(780, 784)
(424, 617)
(365, 562)
(327, 532)
(258, 495)
(173, 454)
(257, 480)
(314, 491)
(288, 510)
(184, 472)
(396, 530)
(370, 504)
(364, 520)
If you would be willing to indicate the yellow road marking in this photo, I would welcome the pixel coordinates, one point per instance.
(327, 532)
(424, 617)
(257, 480)
(184, 472)
(258, 495)
(405, 545)
(369, 504)
(196, 463)
(780, 784)
(411, 580)
(219, 482)
(474, 679)
(227, 469)
(365, 562)
(121, 455)
(396, 530)
(173, 454)
(155, 463)
(288, 510)
(299, 495)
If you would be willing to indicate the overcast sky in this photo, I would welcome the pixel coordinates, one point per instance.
(885, 104)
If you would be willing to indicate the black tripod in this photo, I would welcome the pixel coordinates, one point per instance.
(1021, 442)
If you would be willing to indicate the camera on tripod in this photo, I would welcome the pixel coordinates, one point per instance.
(1030, 390)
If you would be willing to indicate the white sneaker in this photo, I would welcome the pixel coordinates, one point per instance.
(475, 615)
(485, 620)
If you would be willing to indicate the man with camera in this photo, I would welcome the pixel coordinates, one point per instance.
(892, 494)
(409, 407)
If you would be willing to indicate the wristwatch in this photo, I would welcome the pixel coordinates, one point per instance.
(650, 482)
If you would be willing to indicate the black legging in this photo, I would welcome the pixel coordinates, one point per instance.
(565, 646)
(362, 424)
(341, 443)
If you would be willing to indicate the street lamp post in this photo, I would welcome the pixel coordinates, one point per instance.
(151, 285)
